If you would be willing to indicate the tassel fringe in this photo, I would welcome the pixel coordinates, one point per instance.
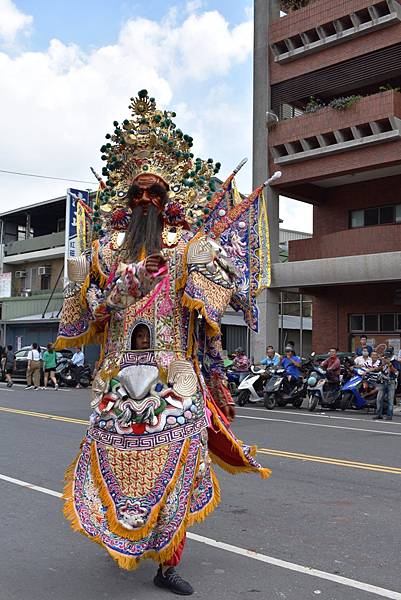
(112, 521)
(131, 563)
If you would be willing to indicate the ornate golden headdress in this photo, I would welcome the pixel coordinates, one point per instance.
(150, 143)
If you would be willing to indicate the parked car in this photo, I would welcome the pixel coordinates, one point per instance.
(21, 361)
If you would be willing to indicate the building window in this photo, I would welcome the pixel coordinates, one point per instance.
(357, 218)
(22, 233)
(371, 322)
(387, 322)
(375, 323)
(370, 217)
(45, 282)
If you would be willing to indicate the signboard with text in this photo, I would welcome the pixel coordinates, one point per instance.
(71, 233)
(5, 285)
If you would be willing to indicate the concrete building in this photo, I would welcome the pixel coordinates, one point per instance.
(328, 115)
(32, 263)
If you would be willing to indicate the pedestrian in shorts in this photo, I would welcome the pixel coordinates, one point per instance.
(9, 365)
(49, 365)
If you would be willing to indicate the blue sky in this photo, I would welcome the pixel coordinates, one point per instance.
(98, 22)
(68, 69)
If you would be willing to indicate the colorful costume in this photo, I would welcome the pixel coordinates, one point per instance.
(143, 473)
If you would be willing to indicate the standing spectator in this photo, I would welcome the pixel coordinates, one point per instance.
(332, 366)
(49, 364)
(364, 344)
(272, 358)
(3, 358)
(33, 371)
(390, 369)
(78, 361)
(363, 360)
(9, 365)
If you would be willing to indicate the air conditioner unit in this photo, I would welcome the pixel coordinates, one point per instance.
(20, 274)
(26, 293)
(44, 270)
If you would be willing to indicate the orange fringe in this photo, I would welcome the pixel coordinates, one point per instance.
(131, 563)
(112, 521)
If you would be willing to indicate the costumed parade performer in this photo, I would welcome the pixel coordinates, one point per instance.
(167, 256)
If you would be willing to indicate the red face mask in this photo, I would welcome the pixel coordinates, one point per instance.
(155, 194)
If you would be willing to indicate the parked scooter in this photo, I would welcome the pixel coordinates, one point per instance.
(278, 391)
(322, 392)
(251, 389)
(65, 374)
(351, 391)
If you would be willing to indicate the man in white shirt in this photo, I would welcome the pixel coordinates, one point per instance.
(363, 361)
(78, 361)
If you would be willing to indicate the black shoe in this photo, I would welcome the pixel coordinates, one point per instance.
(388, 419)
(376, 418)
(173, 582)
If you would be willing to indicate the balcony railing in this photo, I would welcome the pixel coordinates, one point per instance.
(42, 242)
(349, 242)
(372, 120)
(326, 24)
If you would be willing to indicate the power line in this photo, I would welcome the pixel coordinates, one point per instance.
(45, 176)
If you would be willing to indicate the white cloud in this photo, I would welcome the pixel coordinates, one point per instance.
(12, 22)
(194, 5)
(58, 104)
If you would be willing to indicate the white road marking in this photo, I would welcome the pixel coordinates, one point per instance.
(276, 562)
(319, 425)
(313, 415)
(30, 486)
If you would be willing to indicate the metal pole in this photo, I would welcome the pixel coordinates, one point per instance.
(301, 325)
(67, 235)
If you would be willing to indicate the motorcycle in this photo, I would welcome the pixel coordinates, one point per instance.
(351, 391)
(321, 391)
(278, 393)
(65, 374)
(251, 389)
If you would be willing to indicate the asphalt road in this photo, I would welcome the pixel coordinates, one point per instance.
(325, 525)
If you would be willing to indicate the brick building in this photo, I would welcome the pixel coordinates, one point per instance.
(333, 79)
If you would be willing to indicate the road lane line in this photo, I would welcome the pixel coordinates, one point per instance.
(315, 415)
(340, 460)
(30, 486)
(276, 562)
(320, 425)
(39, 415)
(332, 462)
(270, 451)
